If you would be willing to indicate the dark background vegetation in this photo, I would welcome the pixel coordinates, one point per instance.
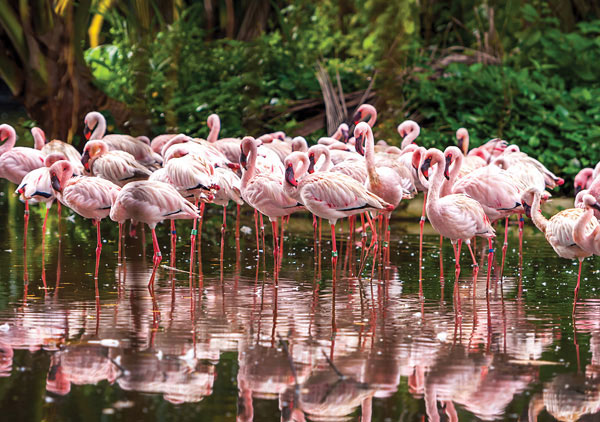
(526, 71)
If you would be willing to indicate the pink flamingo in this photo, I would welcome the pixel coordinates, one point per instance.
(559, 229)
(583, 179)
(281, 148)
(196, 147)
(364, 111)
(230, 147)
(585, 234)
(119, 167)
(95, 128)
(264, 191)
(16, 162)
(56, 146)
(455, 216)
(159, 142)
(229, 190)
(330, 195)
(383, 181)
(37, 188)
(299, 144)
(593, 190)
(409, 130)
(151, 202)
(90, 197)
(342, 132)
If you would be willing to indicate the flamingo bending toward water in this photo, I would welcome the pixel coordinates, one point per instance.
(455, 216)
(330, 195)
(151, 202)
(583, 179)
(559, 229)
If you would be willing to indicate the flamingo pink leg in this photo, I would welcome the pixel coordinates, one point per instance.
(334, 252)
(26, 215)
(505, 246)
(44, 228)
(521, 225)
(283, 221)
(224, 226)
(275, 243)
(421, 226)
(374, 238)
(489, 264)
(315, 227)
(193, 243)
(475, 264)
(98, 250)
(577, 286)
(256, 230)
(237, 222)
(456, 256)
(120, 241)
(156, 258)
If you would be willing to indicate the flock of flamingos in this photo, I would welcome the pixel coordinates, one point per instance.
(342, 176)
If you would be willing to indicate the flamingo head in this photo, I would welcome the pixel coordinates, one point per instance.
(311, 163)
(279, 135)
(212, 119)
(289, 175)
(425, 166)
(449, 158)
(462, 136)
(60, 172)
(590, 201)
(4, 134)
(53, 158)
(91, 150)
(358, 116)
(243, 159)
(360, 132)
(90, 125)
(344, 130)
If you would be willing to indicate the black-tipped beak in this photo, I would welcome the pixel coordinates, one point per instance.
(359, 144)
(356, 118)
(289, 176)
(596, 206)
(447, 168)
(425, 167)
(85, 159)
(345, 135)
(311, 165)
(243, 159)
(55, 183)
(87, 132)
(461, 143)
(578, 188)
(527, 209)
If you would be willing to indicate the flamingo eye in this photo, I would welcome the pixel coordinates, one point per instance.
(289, 165)
(449, 155)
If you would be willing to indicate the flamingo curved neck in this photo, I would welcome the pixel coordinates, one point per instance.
(594, 189)
(249, 173)
(326, 166)
(447, 185)
(586, 241)
(214, 130)
(435, 184)
(538, 218)
(10, 141)
(369, 158)
(100, 129)
(38, 139)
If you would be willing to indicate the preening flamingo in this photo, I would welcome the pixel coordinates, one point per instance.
(330, 195)
(342, 132)
(586, 239)
(455, 216)
(559, 229)
(159, 142)
(119, 167)
(95, 128)
(151, 202)
(90, 197)
(56, 146)
(264, 191)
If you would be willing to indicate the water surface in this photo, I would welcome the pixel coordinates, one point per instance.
(232, 343)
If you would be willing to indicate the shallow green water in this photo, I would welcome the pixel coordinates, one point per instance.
(224, 349)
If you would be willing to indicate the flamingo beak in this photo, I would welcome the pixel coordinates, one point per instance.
(359, 144)
(243, 159)
(311, 166)
(356, 118)
(596, 206)
(560, 181)
(578, 188)
(289, 176)
(3, 136)
(55, 183)
(345, 135)
(527, 209)
(448, 162)
(87, 133)
(85, 159)
(425, 167)
(461, 143)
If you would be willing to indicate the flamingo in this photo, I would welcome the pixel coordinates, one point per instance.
(559, 229)
(330, 195)
(95, 128)
(409, 130)
(230, 147)
(455, 216)
(383, 181)
(16, 162)
(90, 197)
(281, 148)
(484, 153)
(196, 147)
(264, 191)
(299, 144)
(585, 238)
(151, 202)
(363, 111)
(56, 146)
(593, 190)
(229, 190)
(119, 167)
(341, 133)
(159, 142)
(37, 188)
(583, 179)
